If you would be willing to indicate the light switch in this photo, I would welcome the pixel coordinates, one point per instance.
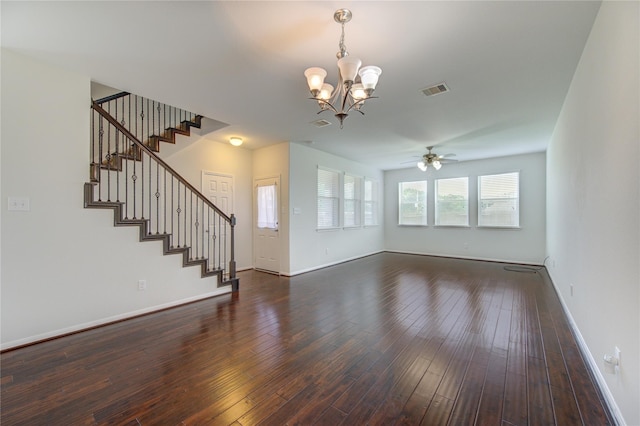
(19, 204)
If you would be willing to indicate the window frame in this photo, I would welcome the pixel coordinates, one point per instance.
(436, 203)
(517, 202)
(425, 205)
(356, 200)
(337, 200)
(373, 202)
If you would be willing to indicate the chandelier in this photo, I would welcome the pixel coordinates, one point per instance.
(351, 91)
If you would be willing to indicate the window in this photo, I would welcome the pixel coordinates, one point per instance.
(499, 200)
(412, 203)
(452, 202)
(352, 201)
(328, 199)
(370, 202)
(267, 207)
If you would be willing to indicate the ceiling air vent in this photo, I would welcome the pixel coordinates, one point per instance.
(435, 89)
(321, 123)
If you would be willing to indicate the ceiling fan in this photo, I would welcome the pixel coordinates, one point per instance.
(434, 160)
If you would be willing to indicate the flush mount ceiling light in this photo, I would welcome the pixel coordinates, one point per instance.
(351, 91)
(235, 141)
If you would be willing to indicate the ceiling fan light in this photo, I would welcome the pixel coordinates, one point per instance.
(437, 164)
(315, 79)
(369, 77)
(349, 68)
(422, 166)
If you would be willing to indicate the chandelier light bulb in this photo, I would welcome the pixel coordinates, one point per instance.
(349, 68)
(437, 165)
(357, 92)
(325, 92)
(422, 166)
(369, 77)
(315, 79)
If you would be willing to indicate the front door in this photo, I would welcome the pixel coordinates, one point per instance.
(266, 240)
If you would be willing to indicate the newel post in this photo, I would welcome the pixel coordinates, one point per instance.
(232, 261)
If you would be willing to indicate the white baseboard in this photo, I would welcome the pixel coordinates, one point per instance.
(108, 320)
(592, 365)
(452, 256)
(326, 265)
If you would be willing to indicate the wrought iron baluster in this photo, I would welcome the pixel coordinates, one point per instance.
(178, 210)
(164, 210)
(153, 120)
(191, 223)
(150, 204)
(142, 165)
(204, 235)
(157, 195)
(172, 218)
(101, 144)
(117, 156)
(126, 181)
(185, 216)
(108, 158)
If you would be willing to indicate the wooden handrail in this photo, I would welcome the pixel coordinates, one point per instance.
(112, 97)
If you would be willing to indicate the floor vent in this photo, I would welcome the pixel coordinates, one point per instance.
(435, 89)
(321, 123)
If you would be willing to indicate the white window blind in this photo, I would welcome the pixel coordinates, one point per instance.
(499, 200)
(370, 202)
(352, 201)
(452, 201)
(267, 207)
(328, 199)
(412, 203)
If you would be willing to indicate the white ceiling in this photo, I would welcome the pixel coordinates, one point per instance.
(508, 66)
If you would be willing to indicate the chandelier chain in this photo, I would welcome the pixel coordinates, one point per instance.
(343, 49)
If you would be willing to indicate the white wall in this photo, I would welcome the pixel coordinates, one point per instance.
(310, 248)
(524, 245)
(192, 155)
(64, 267)
(593, 199)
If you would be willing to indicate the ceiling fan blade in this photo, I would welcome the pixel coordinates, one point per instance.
(447, 160)
(448, 155)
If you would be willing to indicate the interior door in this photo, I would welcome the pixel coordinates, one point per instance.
(218, 188)
(266, 238)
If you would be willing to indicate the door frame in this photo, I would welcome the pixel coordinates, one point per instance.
(254, 219)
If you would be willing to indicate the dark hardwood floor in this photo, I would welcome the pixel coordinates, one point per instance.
(387, 339)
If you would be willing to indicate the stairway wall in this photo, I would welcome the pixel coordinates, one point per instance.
(64, 267)
(191, 155)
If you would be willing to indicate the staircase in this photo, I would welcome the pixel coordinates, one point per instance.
(127, 176)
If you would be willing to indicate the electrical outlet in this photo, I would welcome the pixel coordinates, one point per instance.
(142, 285)
(571, 288)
